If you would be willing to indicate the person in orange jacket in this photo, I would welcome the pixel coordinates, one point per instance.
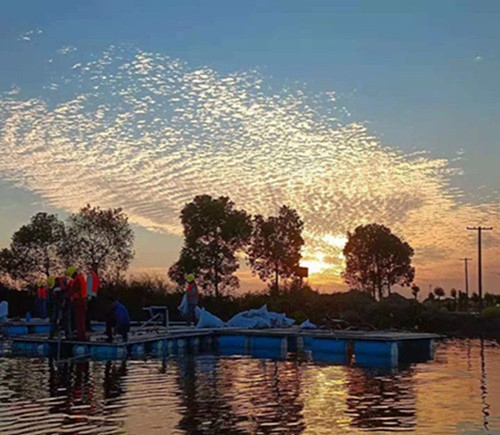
(78, 291)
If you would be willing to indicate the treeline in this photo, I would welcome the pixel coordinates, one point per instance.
(216, 236)
(46, 246)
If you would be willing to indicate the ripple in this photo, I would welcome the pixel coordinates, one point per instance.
(211, 394)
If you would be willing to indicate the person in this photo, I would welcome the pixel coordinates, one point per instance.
(66, 306)
(41, 300)
(117, 317)
(78, 292)
(54, 287)
(93, 283)
(192, 299)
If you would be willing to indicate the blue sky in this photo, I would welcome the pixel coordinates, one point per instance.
(422, 76)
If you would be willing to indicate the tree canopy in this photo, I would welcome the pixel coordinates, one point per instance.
(101, 239)
(214, 231)
(35, 249)
(376, 259)
(276, 243)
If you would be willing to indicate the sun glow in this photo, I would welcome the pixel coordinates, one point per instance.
(316, 264)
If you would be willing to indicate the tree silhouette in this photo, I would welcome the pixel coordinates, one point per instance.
(377, 259)
(34, 250)
(214, 231)
(439, 292)
(275, 246)
(100, 238)
(414, 290)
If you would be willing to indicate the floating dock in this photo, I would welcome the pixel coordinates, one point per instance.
(364, 348)
(36, 326)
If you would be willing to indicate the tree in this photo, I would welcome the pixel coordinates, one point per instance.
(34, 250)
(101, 239)
(414, 290)
(489, 299)
(453, 293)
(276, 244)
(439, 292)
(377, 259)
(214, 231)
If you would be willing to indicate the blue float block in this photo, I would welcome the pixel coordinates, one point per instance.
(159, 348)
(138, 351)
(41, 349)
(376, 353)
(81, 350)
(307, 343)
(18, 348)
(18, 330)
(41, 329)
(108, 352)
(233, 345)
(328, 345)
(272, 343)
(333, 358)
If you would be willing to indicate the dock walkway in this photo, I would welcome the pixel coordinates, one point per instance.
(340, 346)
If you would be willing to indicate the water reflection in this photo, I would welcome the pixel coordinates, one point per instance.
(198, 394)
(381, 400)
(484, 391)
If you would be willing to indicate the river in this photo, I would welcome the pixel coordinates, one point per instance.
(457, 392)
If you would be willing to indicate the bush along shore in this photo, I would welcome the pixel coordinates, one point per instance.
(352, 309)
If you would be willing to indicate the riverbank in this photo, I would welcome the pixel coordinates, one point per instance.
(353, 309)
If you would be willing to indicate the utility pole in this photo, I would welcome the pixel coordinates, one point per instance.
(479, 261)
(466, 262)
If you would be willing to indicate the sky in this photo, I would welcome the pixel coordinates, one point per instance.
(352, 112)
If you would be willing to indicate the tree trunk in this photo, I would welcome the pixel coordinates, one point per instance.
(276, 280)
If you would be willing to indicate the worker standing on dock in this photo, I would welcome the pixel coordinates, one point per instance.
(93, 284)
(78, 290)
(41, 300)
(66, 306)
(192, 299)
(54, 287)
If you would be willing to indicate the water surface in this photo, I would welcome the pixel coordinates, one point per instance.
(458, 392)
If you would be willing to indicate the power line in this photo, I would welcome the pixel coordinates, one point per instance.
(466, 263)
(479, 261)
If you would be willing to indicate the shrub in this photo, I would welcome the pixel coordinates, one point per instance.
(491, 312)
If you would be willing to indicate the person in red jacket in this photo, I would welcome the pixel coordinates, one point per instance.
(78, 290)
(41, 300)
(192, 299)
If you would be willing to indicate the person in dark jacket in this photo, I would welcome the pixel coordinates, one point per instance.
(117, 318)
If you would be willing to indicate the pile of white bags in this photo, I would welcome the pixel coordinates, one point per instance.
(252, 319)
(308, 325)
(260, 319)
(208, 320)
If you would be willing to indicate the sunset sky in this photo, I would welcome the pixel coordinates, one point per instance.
(350, 111)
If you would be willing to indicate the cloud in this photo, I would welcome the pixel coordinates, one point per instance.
(148, 133)
(29, 35)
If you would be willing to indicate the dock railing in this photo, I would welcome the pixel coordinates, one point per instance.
(157, 313)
